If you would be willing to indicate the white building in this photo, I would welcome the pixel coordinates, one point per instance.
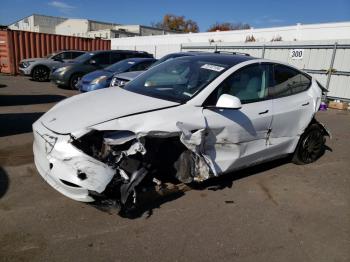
(110, 33)
(142, 30)
(37, 23)
(83, 27)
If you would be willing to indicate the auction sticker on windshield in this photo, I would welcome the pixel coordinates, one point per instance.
(213, 67)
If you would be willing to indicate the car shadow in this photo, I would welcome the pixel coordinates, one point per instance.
(4, 182)
(15, 100)
(13, 124)
(33, 80)
(153, 199)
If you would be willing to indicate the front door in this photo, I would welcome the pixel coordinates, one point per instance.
(237, 137)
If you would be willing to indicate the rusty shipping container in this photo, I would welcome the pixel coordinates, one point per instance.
(17, 45)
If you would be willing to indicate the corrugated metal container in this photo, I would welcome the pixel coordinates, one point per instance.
(18, 45)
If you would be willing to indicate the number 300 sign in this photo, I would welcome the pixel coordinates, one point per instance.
(296, 54)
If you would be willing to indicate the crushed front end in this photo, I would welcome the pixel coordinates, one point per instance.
(65, 167)
(110, 166)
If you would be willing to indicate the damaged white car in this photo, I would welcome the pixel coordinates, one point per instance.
(190, 118)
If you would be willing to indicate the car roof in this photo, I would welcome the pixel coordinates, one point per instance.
(60, 51)
(138, 59)
(228, 59)
(117, 51)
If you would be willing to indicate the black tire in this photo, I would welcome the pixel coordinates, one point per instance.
(74, 81)
(311, 145)
(41, 73)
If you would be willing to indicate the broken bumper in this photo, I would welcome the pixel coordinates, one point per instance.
(66, 168)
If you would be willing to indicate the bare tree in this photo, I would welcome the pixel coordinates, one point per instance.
(227, 26)
(177, 23)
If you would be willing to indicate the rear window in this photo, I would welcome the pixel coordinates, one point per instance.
(287, 81)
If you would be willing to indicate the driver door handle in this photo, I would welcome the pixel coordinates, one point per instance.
(305, 104)
(266, 111)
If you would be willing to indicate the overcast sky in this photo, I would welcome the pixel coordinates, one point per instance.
(257, 13)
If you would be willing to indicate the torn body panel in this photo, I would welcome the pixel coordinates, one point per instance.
(235, 137)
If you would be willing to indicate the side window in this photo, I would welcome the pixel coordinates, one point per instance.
(130, 55)
(140, 66)
(116, 57)
(76, 54)
(102, 59)
(59, 56)
(287, 81)
(67, 55)
(249, 84)
(63, 55)
(135, 54)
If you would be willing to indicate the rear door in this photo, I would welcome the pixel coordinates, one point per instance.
(292, 105)
(237, 137)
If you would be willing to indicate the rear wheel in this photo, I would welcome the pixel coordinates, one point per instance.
(41, 73)
(311, 145)
(73, 83)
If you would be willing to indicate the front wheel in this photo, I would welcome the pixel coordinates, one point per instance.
(311, 146)
(41, 74)
(74, 80)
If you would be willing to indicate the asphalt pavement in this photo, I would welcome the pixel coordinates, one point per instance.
(272, 212)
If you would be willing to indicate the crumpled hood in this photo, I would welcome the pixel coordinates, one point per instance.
(79, 112)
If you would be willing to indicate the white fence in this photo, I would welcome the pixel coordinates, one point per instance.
(327, 31)
(328, 61)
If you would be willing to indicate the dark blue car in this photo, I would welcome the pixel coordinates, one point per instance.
(102, 78)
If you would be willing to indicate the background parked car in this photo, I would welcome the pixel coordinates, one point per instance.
(120, 79)
(102, 78)
(70, 73)
(39, 68)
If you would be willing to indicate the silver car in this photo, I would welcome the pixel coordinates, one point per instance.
(39, 68)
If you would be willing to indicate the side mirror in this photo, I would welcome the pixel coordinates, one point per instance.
(228, 101)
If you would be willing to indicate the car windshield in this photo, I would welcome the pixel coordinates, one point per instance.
(121, 66)
(83, 58)
(179, 79)
(168, 57)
